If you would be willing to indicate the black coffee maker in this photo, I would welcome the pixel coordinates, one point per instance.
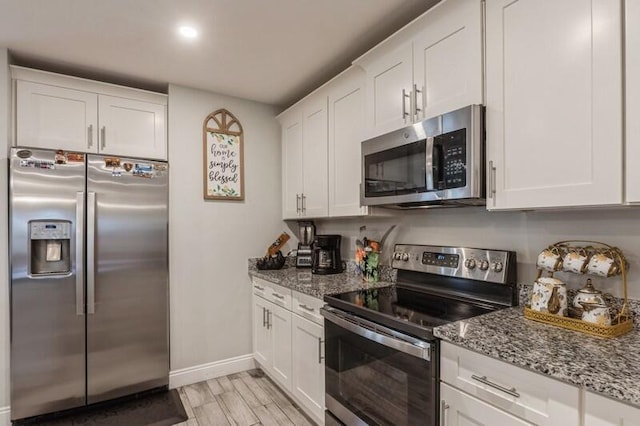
(326, 257)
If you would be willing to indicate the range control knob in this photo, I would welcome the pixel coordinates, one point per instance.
(397, 255)
(484, 265)
(470, 263)
(498, 267)
(405, 257)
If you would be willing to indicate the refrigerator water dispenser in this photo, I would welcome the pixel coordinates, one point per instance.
(50, 246)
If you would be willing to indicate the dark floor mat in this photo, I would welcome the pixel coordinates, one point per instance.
(162, 408)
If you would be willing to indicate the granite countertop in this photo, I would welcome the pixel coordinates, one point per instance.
(610, 367)
(303, 281)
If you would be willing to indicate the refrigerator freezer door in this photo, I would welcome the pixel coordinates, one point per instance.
(127, 282)
(47, 313)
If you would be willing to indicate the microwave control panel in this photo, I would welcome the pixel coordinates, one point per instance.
(453, 173)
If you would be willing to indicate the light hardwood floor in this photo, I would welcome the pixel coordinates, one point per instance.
(247, 398)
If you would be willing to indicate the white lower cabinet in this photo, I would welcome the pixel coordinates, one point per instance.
(308, 364)
(288, 343)
(460, 409)
(532, 398)
(602, 411)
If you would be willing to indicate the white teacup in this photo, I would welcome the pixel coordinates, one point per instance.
(575, 261)
(596, 313)
(550, 259)
(603, 265)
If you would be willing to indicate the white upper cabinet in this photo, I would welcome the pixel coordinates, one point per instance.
(54, 111)
(304, 159)
(314, 156)
(632, 74)
(432, 66)
(346, 127)
(55, 117)
(132, 127)
(554, 103)
(447, 63)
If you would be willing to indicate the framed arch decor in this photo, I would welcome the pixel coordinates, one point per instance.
(223, 150)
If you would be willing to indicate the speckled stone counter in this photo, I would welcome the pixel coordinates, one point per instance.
(304, 281)
(610, 367)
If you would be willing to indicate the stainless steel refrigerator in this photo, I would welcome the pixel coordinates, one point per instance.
(89, 279)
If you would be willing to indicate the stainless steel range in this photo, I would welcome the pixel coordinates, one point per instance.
(382, 360)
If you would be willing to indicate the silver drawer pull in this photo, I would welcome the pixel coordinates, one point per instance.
(257, 287)
(306, 308)
(484, 380)
(278, 296)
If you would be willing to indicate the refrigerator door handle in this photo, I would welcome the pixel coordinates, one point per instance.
(91, 247)
(79, 253)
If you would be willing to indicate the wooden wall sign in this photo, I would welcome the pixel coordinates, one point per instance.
(223, 157)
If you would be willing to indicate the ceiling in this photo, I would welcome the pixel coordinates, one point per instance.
(272, 51)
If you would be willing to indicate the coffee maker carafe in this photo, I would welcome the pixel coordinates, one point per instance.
(326, 255)
(306, 234)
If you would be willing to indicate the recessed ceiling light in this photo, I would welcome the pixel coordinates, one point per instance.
(188, 32)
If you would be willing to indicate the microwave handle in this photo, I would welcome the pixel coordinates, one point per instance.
(429, 163)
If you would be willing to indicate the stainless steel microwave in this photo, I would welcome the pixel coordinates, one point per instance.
(439, 161)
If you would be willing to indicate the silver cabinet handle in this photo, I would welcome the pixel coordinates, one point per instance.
(492, 179)
(483, 379)
(90, 136)
(416, 110)
(404, 107)
(297, 203)
(443, 412)
(319, 350)
(304, 203)
(278, 296)
(103, 139)
(257, 287)
(264, 320)
(79, 253)
(306, 308)
(269, 319)
(91, 248)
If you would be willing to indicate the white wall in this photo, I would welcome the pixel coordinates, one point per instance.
(4, 281)
(210, 241)
(527, 233)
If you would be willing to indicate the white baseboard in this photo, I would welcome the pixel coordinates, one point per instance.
(198, 373)
(5, 416)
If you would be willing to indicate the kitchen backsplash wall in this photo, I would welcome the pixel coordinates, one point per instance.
(526, 233)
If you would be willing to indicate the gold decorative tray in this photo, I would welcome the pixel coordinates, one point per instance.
(582, 326)
(622, 323)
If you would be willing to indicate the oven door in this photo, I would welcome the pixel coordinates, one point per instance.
(377, 376)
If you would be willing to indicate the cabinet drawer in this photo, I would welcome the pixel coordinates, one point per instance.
(308, 307)
(528, 395)
(277, 294)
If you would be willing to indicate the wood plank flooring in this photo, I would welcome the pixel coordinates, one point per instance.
(247, 398)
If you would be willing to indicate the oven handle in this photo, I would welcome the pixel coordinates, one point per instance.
(378, 333)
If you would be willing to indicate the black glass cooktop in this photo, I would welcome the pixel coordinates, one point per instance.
(415, 312)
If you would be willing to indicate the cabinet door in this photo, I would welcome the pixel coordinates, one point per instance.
(554, 103)
(346, 126)
(53, 117)
(459, 409)
(448, 58)
(632, 74)
(601, 411)
(261, 336)
(291, 163)
(314, 157)
(308, 365)
(279, 324)
(387, 76)
(133, 128)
